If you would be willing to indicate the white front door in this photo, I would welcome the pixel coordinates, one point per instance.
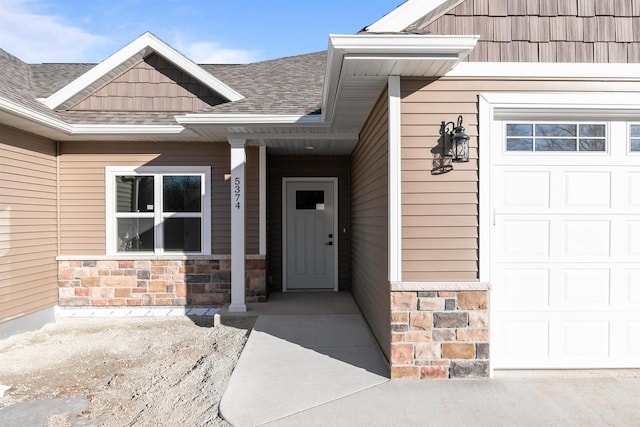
(310, 234)
(565, 247)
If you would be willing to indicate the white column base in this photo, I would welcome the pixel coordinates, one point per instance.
(237, 308)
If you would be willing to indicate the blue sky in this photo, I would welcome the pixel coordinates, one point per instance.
(207, 31)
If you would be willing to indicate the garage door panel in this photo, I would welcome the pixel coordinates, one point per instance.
(524, 287)
(525, 238)
(587, 190)
(523, 340)
(632, 339)
(582, 340)
(586, 287)
(633, 190)
(526, 190)
(587, 238)
(632, 294)
(633, 238)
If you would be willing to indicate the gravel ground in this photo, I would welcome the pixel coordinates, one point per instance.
(132, 371)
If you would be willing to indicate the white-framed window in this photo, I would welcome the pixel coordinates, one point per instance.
(555, 137)
(158, 210)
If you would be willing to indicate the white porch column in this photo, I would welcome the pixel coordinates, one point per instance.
(238, 163)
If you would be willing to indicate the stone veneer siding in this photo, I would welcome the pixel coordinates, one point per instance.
(439, 334)
(154, 282)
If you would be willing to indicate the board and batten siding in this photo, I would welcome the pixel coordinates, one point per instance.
(440, 212)
(28, 232)
(82, 189)
(370, 223)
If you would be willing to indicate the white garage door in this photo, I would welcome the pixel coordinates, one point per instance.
(565, 241)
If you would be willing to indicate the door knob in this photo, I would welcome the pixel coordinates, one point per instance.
(329, 243)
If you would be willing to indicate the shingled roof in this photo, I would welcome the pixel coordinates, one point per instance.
(291, 85)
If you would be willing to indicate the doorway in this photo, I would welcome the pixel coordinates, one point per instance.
(310, 234)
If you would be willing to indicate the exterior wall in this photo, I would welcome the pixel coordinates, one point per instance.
(439, 334)
(308, 166)
(28, 231)
(82, 189)
(545, 30)
(440, 311)
(200, 281)
(153, 84)
(440, 212)
(86, 277)
(370, 223)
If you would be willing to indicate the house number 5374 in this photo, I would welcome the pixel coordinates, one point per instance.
(236, 192)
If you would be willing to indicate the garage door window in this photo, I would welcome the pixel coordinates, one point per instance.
(563, 137)
(634, 145)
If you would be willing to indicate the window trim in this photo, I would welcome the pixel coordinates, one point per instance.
(159, 215)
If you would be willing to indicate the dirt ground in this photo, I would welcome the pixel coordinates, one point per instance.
(133, 371)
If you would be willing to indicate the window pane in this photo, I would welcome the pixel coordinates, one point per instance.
(519, 144)
(181, 193)
(593, 131)
(635, 131)
(593, 145)
(550, 144)
(635, 145)
(556, 130)
(309, 200)
(182, 234)
(519, 130)
(135, 234)
(134, 194)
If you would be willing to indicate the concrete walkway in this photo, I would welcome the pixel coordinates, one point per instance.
(311, 361)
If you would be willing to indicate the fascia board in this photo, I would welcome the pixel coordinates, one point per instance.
(35, 117)
(547, 69)
(142, 43)
(127, 129)
(67, 129)
(401, 43)
(404, 15)
(249, 119)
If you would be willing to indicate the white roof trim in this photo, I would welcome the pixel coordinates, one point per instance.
(248, 119)
(546, 69)
(142, 43)
(405, 15)
(84, 129)
(386, 46)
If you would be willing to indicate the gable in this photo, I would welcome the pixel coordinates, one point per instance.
(544, 30)
(120, 62)
(152, 84)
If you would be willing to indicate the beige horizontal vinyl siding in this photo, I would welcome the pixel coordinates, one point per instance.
(28, 236)
(440, 212)
(82, 188)
(370, 223)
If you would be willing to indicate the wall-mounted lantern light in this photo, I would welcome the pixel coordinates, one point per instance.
(459, 141)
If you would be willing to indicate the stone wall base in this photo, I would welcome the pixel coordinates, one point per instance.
(166, 282)
(439, 334)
